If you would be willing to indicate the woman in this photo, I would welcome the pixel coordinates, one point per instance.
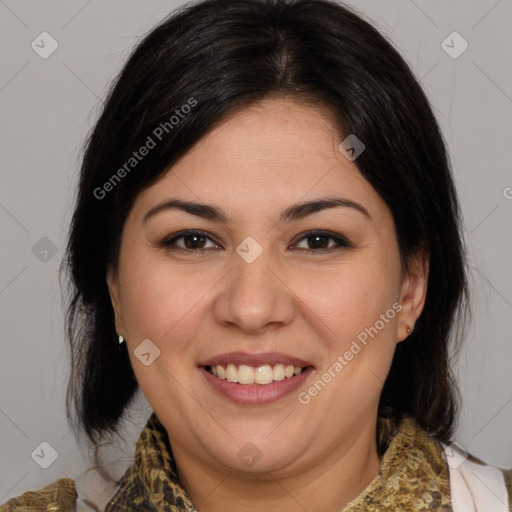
(266, 242)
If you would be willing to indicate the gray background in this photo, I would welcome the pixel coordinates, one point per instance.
(49, 105)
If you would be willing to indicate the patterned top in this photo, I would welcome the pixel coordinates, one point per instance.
(414, 477)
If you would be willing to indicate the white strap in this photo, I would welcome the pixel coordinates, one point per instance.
(92, 487)
(474, 487)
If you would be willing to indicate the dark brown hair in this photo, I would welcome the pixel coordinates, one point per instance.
(226, 55)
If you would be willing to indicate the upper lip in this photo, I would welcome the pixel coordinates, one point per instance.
(256, 359)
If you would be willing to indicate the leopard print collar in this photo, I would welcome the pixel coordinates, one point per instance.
(413, 476)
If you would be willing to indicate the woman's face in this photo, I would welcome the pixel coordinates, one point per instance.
(257, 291)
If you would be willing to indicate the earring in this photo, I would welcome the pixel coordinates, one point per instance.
(409, 330)
(121, 339)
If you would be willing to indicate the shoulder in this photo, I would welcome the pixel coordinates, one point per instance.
(476, 485)
(507, 475)
(60, 496)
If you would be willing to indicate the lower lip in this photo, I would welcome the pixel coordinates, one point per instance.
(256, 394)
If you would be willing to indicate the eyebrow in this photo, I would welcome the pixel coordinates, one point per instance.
(293, 213)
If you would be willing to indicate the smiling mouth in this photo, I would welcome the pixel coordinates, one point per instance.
(247, 375)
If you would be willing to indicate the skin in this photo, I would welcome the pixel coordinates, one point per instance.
(194, 305)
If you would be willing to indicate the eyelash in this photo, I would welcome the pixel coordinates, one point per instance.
(169, 242)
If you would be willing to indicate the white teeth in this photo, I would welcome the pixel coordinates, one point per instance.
(279, 372)
(264, 374)
(245, 374)
(288, 371)
(231, 373)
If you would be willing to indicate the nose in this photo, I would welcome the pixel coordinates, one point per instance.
(254, 296)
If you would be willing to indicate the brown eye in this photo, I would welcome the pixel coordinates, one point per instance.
(188, 241)
(194, 241)
(322, 241)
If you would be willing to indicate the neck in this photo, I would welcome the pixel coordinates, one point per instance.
(332, 481)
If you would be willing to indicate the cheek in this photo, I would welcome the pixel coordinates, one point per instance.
(163, 304)
(355, 312)
(352, 296)
(160, 299)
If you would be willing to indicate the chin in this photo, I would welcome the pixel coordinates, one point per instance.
(254, 459)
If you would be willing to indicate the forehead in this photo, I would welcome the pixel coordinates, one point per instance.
(273, 153)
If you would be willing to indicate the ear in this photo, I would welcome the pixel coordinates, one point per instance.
(114, 292)
(413, 292)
